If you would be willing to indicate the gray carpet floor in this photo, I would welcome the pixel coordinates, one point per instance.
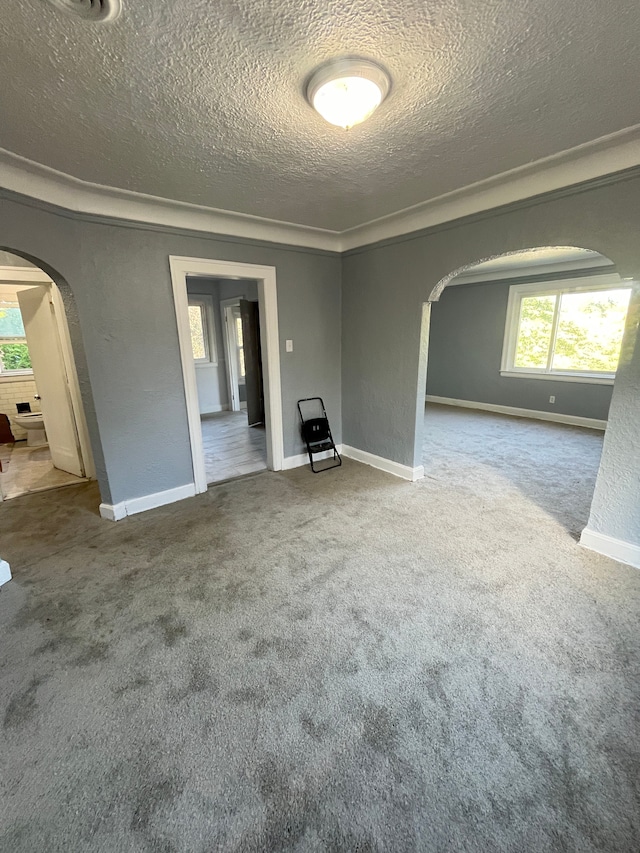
(339, 662)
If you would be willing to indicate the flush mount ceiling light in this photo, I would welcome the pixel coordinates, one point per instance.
(346, 91)
(97, 11)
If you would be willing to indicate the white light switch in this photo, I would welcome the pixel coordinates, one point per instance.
(289, 346)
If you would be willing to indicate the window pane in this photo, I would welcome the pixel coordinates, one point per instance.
(14, 357)
(590, 330)
(196, 322)
(10, 320)
(534, 334)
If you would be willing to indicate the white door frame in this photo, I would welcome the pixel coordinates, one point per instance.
(181, 267)
(231, 352)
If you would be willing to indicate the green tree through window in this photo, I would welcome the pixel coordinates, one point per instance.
(15, 357)
(575, 329)
(14, 352)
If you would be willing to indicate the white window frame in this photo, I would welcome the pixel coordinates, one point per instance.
(9, 374)
(517, 292)
(204, 301)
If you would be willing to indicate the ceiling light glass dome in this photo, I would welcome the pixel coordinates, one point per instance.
(346, 91)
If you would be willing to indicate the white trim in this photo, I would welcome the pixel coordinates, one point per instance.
(181, 267)
(382, 464)
(518, 292)
(115, 512)
(5, 572)
(20, 175)
(556, 417)
(603, 156)
(617, 549)
(302, 459)
(231, 343)
(517, 373)
(73, 383)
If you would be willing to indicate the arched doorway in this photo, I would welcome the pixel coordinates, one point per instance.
(45, 442)
(521, 355)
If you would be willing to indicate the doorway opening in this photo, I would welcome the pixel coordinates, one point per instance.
(227, 321)
(522, 357)
(224, 319)
(44, 441)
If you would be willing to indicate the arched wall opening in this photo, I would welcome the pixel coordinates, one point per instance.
(55, 433)
(508, 275)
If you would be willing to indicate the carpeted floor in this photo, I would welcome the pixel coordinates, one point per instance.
(340, 662)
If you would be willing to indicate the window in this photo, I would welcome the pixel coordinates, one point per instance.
(14, 352)
(202, 331)
(568, 330)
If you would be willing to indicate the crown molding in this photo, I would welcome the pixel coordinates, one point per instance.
(31, 179)
(604, 156)
(594, 160)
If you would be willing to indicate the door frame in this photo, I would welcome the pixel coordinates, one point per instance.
(232, 372)
(180, 268)
(28, 276)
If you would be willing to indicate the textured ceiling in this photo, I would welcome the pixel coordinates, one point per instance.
(202, 101)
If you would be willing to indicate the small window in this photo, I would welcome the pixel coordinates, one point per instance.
(202, 331)
(566, 330)
(240, 343)
(14, 352)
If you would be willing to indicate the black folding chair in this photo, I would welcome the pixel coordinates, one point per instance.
(316, 434)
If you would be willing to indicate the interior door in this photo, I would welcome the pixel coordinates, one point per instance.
(252, 361)
(45, 349)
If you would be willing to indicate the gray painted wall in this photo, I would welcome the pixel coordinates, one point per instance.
(615, 510)
(465, 353)
(117, 288)
(384, 362)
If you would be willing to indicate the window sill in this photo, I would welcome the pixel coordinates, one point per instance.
(16, 377)
(559, 377)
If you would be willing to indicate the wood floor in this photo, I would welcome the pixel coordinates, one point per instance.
(231, 447)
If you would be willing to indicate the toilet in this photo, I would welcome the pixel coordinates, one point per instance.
(33, 422)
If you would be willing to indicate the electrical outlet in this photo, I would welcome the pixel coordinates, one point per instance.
(552, 399)
(289, 346)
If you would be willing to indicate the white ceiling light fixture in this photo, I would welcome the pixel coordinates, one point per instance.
(346, 91)
(96, 11)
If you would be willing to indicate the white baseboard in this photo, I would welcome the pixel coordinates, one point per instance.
(556, 417)
(301, 459)
(382, 464)
(215, 409)
(115, 512)
(5, 572)
(617, 549)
